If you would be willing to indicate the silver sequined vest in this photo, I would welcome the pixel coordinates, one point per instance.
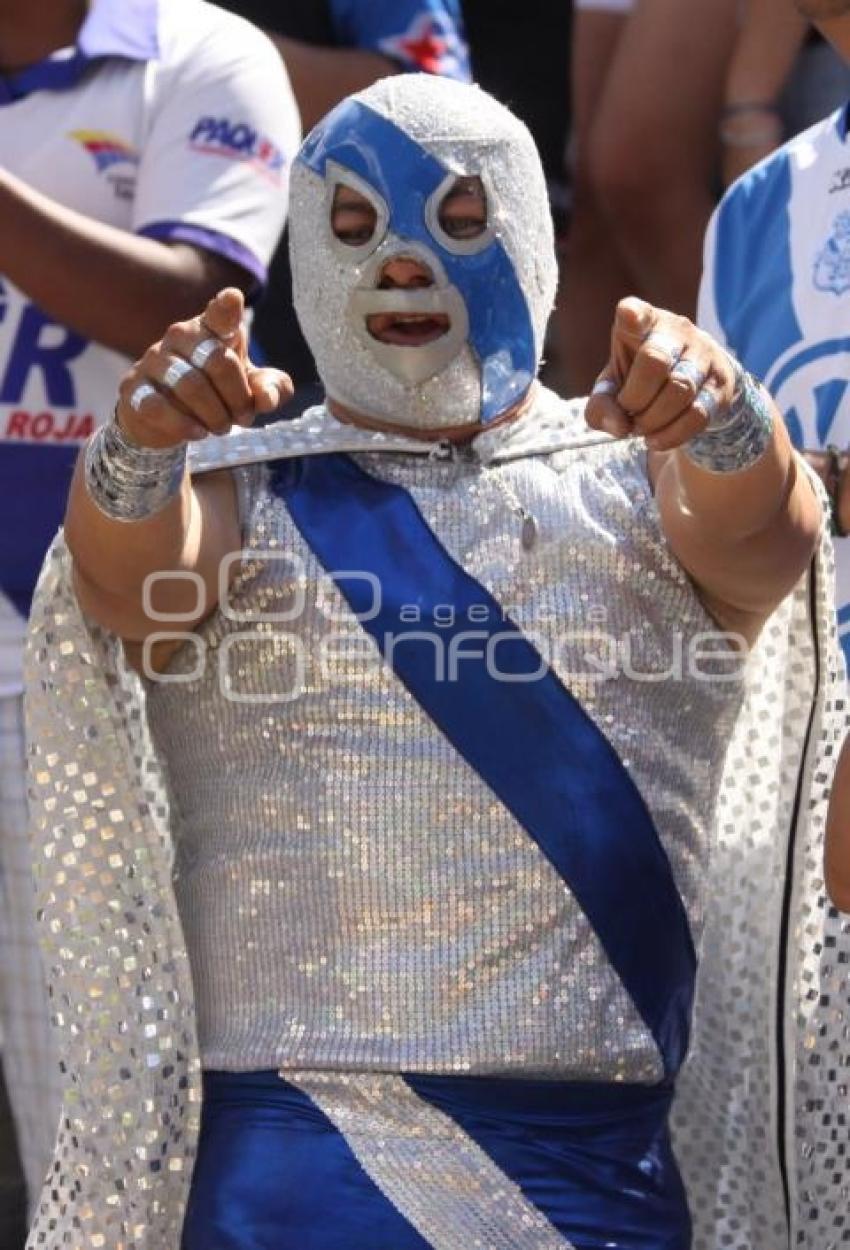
(353, 895)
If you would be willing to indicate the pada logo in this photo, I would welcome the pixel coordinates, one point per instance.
(237, 141)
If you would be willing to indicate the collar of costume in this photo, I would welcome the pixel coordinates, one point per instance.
(549, 426)
(112, 28)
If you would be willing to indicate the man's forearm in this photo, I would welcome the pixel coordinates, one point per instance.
(112, 559)
(734, 506)
(745, 536)
(768, 43)
(770, 38)
(110, 286)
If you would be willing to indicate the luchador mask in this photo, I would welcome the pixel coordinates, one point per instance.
(402, 144)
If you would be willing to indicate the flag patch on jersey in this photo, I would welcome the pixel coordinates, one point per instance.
(106, 149)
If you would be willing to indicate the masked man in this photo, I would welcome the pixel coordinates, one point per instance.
(401, 848)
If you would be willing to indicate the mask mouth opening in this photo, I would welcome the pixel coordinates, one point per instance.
(408, 329)
(412, 333)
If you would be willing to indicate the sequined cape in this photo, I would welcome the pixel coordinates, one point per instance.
(760, 1119)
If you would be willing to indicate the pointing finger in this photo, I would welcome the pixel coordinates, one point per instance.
(634, 320)
(218, 362)
(223, 316)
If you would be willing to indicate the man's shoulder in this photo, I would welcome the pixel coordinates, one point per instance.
(193, 29)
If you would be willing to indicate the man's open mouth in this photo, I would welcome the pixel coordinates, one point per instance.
(408, 329)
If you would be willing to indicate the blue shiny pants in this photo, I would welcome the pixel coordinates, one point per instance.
(274, 1173)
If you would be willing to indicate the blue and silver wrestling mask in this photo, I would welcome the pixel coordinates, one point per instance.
(403, 144)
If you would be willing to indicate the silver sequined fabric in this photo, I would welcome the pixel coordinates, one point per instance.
(429, 1168)
(765, 1089)
(119, 973)
(353, 894)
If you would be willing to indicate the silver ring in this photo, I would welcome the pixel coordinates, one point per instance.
(203, 351)
(685, 368)
(668, 346)
(175, 372)
(142, 392)
(605, 386)
(709, 404)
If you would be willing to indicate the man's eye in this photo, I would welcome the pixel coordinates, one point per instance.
(354, 234)
(463, 211)
(463, 227)
(353, 221)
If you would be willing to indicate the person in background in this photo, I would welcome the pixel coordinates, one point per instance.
(144, 161)
(767, 47)
(782, 77)
(332, 48)
(647, 89)
(776, 288)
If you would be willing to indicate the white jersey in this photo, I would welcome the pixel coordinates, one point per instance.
(776, 290)
(171, 119)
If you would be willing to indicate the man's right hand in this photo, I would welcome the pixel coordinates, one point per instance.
(198, 380)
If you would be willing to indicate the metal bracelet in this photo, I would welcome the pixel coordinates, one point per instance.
(736, 439)
(128, 482)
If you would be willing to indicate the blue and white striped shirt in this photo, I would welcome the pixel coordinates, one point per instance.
(776, 291)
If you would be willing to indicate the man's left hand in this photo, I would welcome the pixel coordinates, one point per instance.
(663, 381)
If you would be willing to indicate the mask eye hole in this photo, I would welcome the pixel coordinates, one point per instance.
(462, 213)
(354, 219)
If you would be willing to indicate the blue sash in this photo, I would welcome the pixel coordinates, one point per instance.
(528, 739)
(274, 1173)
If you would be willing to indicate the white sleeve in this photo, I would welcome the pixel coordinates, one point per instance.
(707, 315)
(223, 130)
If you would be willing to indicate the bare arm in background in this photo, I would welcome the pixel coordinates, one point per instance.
(769, 39)
(134, 286)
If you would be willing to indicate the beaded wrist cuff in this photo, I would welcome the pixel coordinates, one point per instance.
(741, 436)
(127, 482)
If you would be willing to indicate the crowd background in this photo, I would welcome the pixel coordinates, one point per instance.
(641, 118)
(641, 121)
